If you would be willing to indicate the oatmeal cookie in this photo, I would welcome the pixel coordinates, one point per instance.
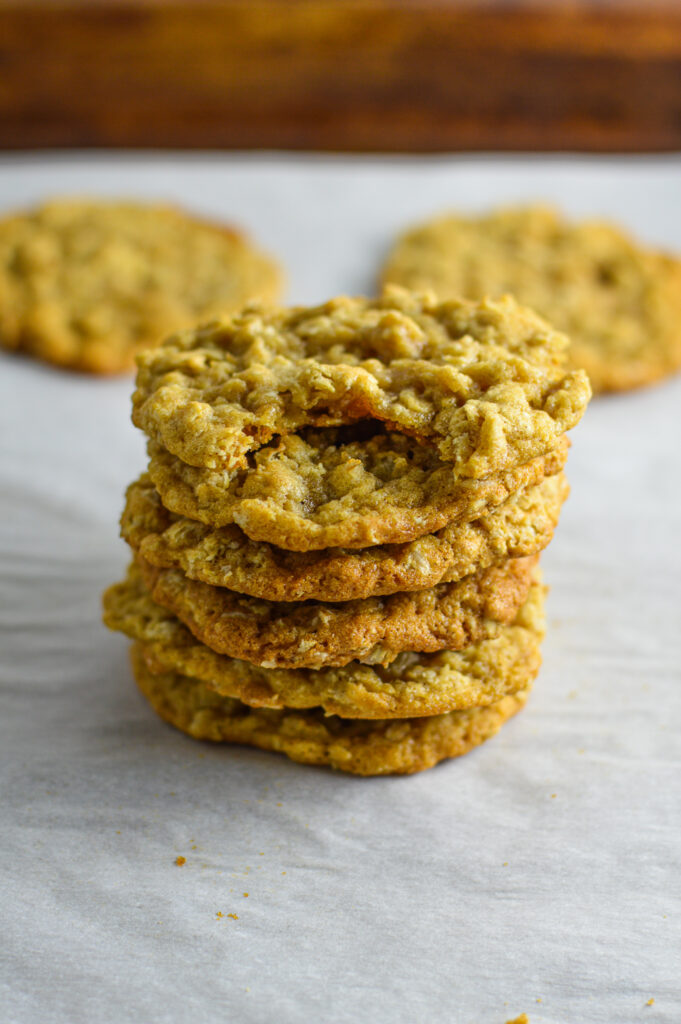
(86, 283)
(481, 383)
(379, 747)
(411, 686)
(523, 525)
(618, 302)
(338, 487)
(277, 634)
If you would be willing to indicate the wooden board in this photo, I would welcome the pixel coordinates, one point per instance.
(390, 75)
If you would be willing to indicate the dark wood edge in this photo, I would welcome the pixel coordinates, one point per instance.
(378, 75)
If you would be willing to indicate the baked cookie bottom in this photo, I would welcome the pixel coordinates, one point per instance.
(522, 525)
(359, 747)
(412, 685)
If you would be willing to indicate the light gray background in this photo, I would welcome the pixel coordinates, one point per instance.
(538, 874)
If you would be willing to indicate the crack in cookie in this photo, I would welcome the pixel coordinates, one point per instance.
(318, 490)
(483, 384)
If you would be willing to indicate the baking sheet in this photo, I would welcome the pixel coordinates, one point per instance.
(539, 874)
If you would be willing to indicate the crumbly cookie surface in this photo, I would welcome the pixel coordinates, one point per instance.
(412, 685)
(523, 525)
(310, 737)
(482, 383)
(337, 487)
(619, 303)
(87, 283)
(374, 630)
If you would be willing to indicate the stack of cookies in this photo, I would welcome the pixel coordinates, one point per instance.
(336, 542)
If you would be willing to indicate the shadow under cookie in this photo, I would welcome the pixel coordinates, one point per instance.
(310, 737)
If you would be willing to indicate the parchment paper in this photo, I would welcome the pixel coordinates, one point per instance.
(539, 874)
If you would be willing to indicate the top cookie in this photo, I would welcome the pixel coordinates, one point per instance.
(86, 283)
(482, 383)
(619, 304)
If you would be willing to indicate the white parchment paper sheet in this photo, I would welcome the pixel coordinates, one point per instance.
(538, 874)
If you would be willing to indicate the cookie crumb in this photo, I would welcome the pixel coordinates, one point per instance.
(180, 861)
(234, 917)
(650, 1002)
(522, 1019)
(245, 894)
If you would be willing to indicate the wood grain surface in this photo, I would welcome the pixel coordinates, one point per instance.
(387, 75)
